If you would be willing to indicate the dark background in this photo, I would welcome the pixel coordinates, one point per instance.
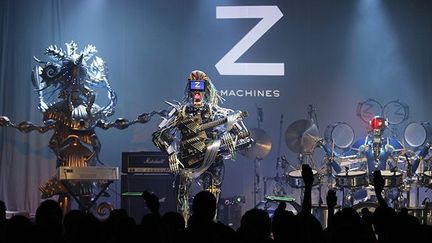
(336, 53)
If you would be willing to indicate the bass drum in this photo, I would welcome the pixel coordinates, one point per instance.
(370, 206)
(417, 134)
(368, 109)
(270, 206)
(396, 112)
(424, 215)
(340, 134)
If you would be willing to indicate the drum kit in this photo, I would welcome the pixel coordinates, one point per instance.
(405, 164)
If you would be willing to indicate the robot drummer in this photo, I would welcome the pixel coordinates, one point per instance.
(198, 135)
(378, 150)
(379, 153)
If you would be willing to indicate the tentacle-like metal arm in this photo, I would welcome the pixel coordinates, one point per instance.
(91, 97)
(122, 123)
(27, 126)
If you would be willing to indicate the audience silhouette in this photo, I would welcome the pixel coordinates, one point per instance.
(49, 222)
(2, 220)
(201, 226)
(382, 225)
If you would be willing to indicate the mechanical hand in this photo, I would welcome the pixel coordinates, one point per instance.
(233, 118)
(229, 142)
(4, 121)
(174, 163)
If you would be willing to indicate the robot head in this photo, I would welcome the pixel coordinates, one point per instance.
(378, 124)
(74, 76)
(68, 68)
(200, 90)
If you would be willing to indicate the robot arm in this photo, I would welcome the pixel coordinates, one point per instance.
(419, 157)
(122, 123)
(331, 154)
(91, 97)
(27, 126)
(164, 139)
(234, 134)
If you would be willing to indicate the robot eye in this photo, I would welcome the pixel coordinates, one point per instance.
(197, 85)
(377, 123)
(50, 72)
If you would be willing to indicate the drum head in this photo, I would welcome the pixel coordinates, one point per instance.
(371, 206)
(351, 173)
(396, 112)
(368, 109)
(417, 133)
(387, 173)
(341, 134)
(358, 144)
(297, 173)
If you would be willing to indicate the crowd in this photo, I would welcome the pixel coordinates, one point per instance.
(346, 225)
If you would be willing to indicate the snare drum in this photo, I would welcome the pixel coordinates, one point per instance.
(295, 179)
(351, 179)
(426, 179)
(392, 179)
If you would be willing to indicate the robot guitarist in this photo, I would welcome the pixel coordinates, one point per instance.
(198, 135)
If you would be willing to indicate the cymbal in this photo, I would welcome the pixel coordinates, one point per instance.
(261, 146)
(301, 136)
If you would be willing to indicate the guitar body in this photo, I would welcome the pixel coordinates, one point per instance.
(193, 144)
(198, 132)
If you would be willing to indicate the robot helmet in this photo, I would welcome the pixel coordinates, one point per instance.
(200, 90)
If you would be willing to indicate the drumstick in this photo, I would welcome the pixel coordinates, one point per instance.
(332, 151)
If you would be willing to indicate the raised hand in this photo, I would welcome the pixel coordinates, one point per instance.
(331, 204)
(379, 187)
(378, 182)
(331, 199)
(307, 175)
(152, 201)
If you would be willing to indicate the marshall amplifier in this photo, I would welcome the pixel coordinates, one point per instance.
(146, 171)
(147, 162)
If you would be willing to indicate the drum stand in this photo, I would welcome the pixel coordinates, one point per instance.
(257, 176)
(347, 197)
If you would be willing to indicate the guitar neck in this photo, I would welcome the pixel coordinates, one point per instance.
(218, 122)
(212, 124)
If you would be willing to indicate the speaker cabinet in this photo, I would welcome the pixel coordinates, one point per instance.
(160, 184)
(230, 215)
